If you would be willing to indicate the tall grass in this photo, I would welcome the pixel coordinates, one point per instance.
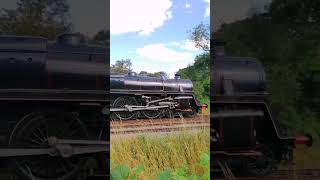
(307, 158)
(158, 153)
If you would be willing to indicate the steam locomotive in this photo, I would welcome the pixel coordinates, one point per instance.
(53, 98)
(134, 96)
(245, 134)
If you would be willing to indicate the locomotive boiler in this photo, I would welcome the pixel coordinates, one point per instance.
(134, 96)
(53, 98)
(245, 134)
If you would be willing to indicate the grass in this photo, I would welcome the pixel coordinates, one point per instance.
(207, 110)
(307, 157)
(156, 154)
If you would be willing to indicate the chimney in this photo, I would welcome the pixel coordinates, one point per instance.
(131, 73)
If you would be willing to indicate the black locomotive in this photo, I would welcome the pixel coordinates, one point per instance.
(135, 96)
(244, 131)
(53, 98)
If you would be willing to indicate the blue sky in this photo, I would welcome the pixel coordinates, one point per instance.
(153, 34)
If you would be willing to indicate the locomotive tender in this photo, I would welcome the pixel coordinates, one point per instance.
(135, 96)
(53, 96)
(245, 134)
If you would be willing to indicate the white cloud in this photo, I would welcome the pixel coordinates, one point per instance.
(167, 57)
(189, 45)
(187, 5)
(170, 68)
(185, 45)
(160, 57)
(207, 13)
(169, 14)
(160, 53)
(175, 43)
(142, 16)
(138, 67)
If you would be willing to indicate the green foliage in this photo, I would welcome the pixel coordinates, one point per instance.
(122, 172)
(156, 74)
(199, 74)
(184, 155)
(286, 40)
(102, 38)
(296, 12)
(122, 66)
(166, 174)
(181, 174)
(200, 35)
(46, 18)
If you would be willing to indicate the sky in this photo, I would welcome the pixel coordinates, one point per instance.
(87, 16)
(154, 34)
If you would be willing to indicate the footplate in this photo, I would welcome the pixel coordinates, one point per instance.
(59, 147)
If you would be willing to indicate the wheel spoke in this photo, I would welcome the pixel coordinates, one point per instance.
(33, 132)
(34, 141)
(63, 166)
(152, 114)
(74, 131)
(43, 135)
(120, 102)
(266, 159)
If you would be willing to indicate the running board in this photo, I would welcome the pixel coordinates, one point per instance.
(235, 114)
(161, 104)
(60, 148)
(139, 108)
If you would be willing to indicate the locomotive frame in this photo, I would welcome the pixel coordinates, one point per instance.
(53, 125)
(244, 133)
(135, 96)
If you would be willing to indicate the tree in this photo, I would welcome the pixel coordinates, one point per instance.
(156, 74)
(286, 40)
(122, 66)
(46, 18)
(164, 74)
(201, 37)
(143, 73)
(199, 74)
(296, 12)
(102, 38)
(159, 74)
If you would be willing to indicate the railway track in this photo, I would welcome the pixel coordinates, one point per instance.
(297, 174)
(159, 125)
